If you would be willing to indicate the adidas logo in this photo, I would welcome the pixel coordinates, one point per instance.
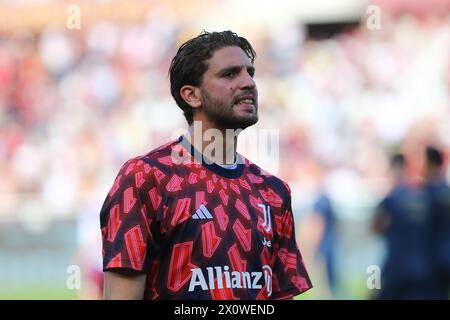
(202, 213)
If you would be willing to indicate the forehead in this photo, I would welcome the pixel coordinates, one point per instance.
(227, 57)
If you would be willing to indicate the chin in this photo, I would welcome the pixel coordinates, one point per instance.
(245, 122)
(236, 121)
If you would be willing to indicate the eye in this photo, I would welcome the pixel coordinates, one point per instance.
(229, 74)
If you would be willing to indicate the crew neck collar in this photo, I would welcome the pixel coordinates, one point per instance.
(214, 167)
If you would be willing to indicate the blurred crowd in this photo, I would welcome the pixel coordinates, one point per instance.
(75, 104)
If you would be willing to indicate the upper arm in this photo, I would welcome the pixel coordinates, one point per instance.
(126, 231)
(123, 285)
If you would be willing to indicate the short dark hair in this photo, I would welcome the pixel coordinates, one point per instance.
(190, 62)
(434, 156)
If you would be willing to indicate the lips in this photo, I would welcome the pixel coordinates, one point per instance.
(246, 100)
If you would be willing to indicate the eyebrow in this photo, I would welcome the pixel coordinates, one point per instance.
(250, 69)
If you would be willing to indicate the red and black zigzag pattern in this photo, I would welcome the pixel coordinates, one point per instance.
(148, 226)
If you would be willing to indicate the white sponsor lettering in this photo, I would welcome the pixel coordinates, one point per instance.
(234, 279)
(268, 279)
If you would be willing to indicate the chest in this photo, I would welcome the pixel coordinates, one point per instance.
(212, 211)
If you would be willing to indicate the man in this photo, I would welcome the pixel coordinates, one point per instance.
(184, 223)
(438, 192)
(402, 219)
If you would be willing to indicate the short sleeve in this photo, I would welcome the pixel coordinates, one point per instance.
(290, 276)
(125, 218)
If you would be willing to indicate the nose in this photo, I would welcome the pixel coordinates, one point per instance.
(247, 81)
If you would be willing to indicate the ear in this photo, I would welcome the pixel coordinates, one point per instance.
(191, 95)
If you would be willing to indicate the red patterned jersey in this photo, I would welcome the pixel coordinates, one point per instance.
(201, 231)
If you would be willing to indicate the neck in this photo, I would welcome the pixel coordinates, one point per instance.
(218, 145)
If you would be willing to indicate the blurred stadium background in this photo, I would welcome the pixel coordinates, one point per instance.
(76, 103)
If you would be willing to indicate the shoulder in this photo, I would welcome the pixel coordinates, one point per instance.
(152, 166)
(442, 191)
(158, 157)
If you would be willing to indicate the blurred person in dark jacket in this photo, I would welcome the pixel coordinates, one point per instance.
(438, 192)
(401, 219)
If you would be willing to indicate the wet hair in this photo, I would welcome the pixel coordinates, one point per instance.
(191, 62)
(434, 156)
